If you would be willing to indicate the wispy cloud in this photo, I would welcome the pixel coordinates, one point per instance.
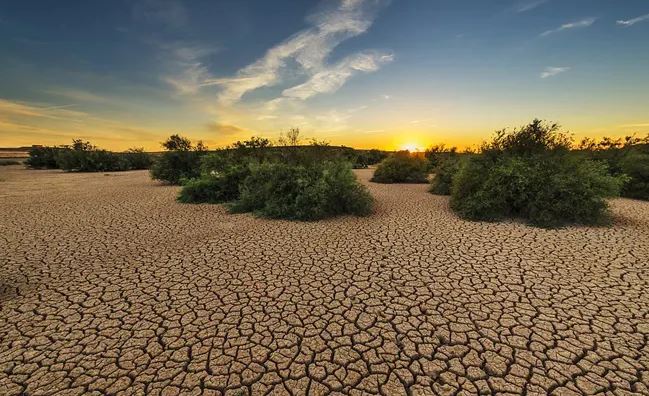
(572, 25)
(224, 129)
(553, 71)
(170, 13)
(309, 49)
(330, 79)
(640, 125)
(21, 109)
(188, 70)
(631, 22)
(529, 5)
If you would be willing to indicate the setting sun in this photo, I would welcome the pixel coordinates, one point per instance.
(412, 147)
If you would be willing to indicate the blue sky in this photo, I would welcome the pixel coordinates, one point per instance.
(367, 73)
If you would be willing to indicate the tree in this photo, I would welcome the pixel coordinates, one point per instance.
(80, 145)
(292, 137)
(254, 142)
(177, 143)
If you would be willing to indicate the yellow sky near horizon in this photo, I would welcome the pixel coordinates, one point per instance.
(26, 124)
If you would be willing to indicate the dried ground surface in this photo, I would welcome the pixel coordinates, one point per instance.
(108, 286)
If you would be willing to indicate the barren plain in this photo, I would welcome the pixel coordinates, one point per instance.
(108, 286)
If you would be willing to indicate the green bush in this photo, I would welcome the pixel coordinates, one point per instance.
(299, 192)
(401, 167)
(215, 187)
(181, 162)
(136, 159)
(635, 166)
(89, 161)
(82, 156)
(628, 156)
(444, 173)
(530, 174)
(43, 157)
(175, 166)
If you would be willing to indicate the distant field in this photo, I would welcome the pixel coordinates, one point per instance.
(4, 154)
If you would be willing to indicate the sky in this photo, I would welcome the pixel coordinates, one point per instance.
(362, 73)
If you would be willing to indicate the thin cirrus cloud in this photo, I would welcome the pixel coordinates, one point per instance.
(169, 13)
(526, 6)
(330, 79)
(572, 25)
(553, 71)
(309, 50)
(631, 22)
(189, 72)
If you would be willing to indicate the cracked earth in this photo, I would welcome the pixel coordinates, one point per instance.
(108, 286)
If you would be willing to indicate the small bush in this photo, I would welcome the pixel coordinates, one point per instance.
(444, 174)
(401, 167)
(299, 192)
(530, 174)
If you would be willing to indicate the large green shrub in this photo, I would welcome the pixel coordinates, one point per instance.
(215, 186)
(628, 156)
(530, 174)
(82, 156)
(43, 157)
(89, 161)
(635, 165)
(299, 192)
(181, 161)
(175, 166)
(444, 173)
(401, 167)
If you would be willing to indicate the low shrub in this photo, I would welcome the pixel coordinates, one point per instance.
(401, 167)
(299, 192)
(444, 173)
(136, 159)
(43, 157)
(89, 161)
(9, 162)
(530, 174)
(82, 156)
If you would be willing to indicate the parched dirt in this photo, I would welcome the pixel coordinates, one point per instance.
(108, 286)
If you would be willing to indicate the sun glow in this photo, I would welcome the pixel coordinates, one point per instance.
(412, 147)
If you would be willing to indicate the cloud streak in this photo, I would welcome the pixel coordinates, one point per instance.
(330, 79)
(169, 13)
(189, 71)
(308, 50)
(569, 26)
(529, 5)
(631, 22)
(553, 71)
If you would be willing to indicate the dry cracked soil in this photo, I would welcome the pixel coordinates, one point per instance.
(108, 286)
